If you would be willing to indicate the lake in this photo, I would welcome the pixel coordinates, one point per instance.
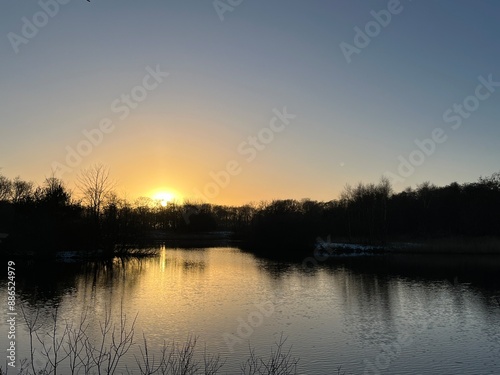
(398, 314)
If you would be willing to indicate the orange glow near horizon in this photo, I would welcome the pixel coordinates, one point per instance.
(166, 196)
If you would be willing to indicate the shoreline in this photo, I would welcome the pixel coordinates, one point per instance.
(330, 248)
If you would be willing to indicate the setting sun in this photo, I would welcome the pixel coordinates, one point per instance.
(165, 197)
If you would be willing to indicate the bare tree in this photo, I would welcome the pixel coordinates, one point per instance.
(280, 362)
(96, 186)
(22, 191)
(5, 188)
(53, 192)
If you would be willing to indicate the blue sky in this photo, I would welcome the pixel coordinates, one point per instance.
(354, 121)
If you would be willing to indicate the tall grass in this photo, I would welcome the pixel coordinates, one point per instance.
(68, 349)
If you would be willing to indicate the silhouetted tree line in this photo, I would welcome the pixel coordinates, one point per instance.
(48, 218)
(374, 214)
(39, 218)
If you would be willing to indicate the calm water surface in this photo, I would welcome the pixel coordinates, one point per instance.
(387, 315)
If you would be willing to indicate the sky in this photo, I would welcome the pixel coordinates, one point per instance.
(238, 101)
